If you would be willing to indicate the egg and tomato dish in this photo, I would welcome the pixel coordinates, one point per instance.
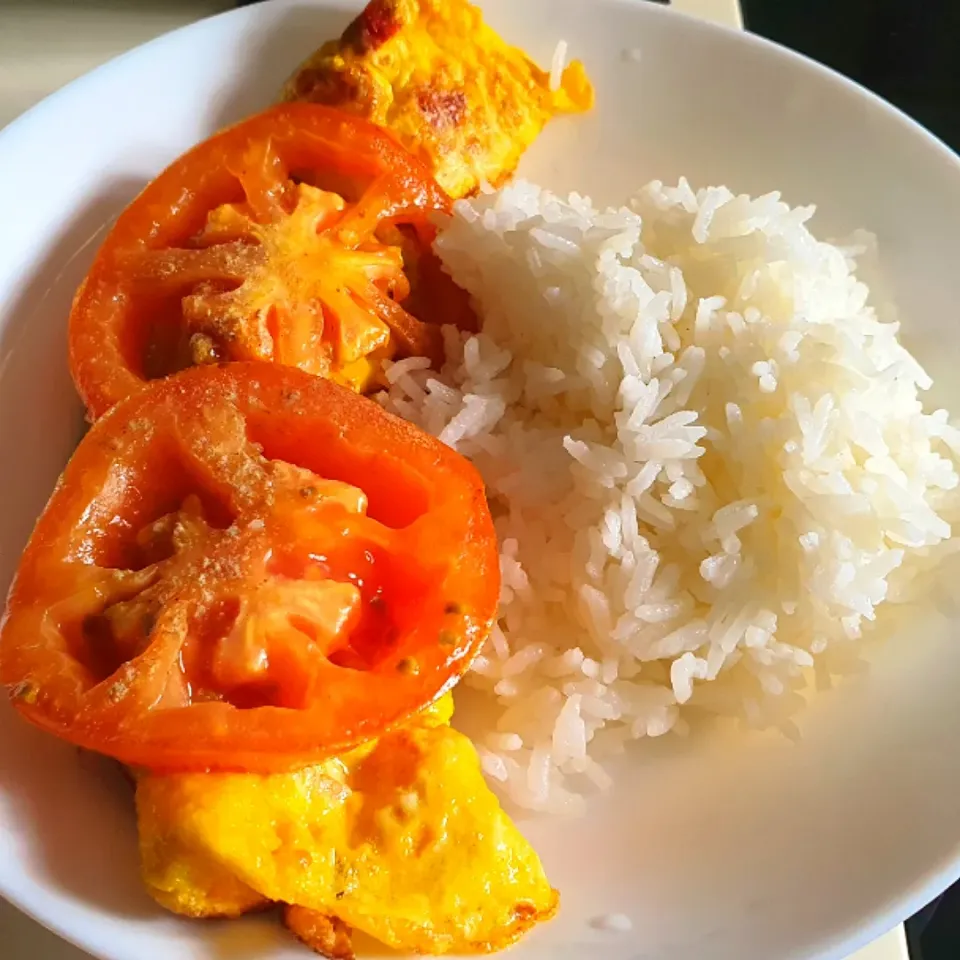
(252, 586)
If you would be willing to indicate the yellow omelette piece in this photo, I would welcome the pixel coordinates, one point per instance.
(399, 838)
(445, 83)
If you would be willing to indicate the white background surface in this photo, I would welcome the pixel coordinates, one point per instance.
(44, 45)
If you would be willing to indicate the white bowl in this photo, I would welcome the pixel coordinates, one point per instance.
(725, 848)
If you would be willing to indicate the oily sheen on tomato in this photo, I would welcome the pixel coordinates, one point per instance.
(246, 567)
(301, 236)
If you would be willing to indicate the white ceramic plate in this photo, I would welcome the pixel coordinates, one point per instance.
(731, 848)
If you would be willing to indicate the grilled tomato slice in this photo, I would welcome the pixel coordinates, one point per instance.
(245, 567)
(292, 237)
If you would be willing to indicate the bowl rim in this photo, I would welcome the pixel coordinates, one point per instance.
(941, 874)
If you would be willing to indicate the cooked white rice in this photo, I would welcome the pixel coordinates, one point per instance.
(706, 457)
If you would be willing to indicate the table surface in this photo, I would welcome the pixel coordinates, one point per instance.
(42, 47)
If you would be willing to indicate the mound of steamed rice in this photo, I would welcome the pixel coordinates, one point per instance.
(706, 456)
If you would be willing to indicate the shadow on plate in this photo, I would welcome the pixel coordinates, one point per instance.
(90, 856)
(272, 55)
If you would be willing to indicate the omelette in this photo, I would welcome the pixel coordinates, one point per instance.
(445, 84)
(399, 838)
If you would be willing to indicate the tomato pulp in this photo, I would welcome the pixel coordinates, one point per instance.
(301, 235)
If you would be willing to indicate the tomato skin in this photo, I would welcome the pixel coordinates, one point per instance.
(127, 303)
(425, 544)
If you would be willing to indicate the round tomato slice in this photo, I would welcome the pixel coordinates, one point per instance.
(246, 567)
(289, 237)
